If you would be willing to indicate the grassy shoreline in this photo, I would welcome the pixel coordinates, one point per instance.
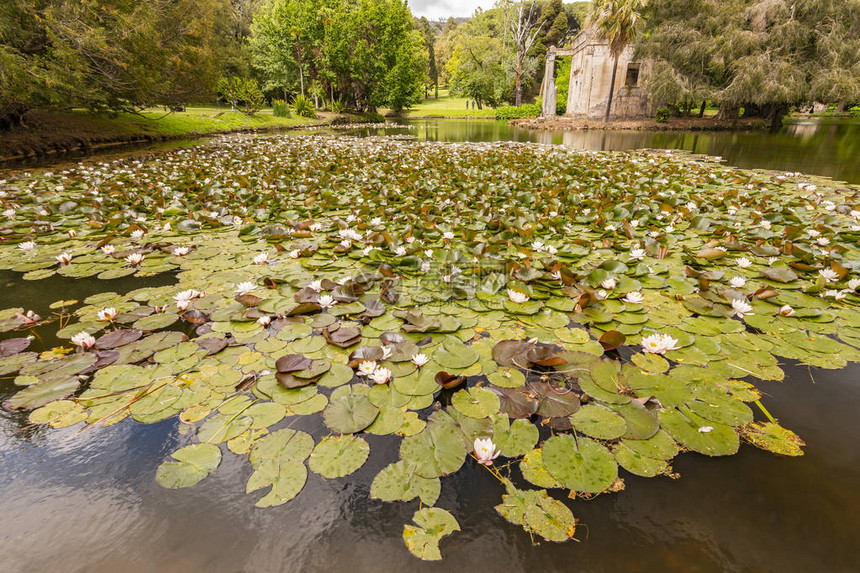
(48, 133)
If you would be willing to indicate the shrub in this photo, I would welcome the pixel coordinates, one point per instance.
(854, 111)
(512, 112)
(338, 106)
(304, 107)
(662, 115)
(280, 108)
(245, 91)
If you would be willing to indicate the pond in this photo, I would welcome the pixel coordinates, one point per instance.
(829, 147)
(87, 500)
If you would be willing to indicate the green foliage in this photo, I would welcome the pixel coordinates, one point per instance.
(509, 112)
(338, 106)
(280, 108)
(304, 107)
(241, 91)
(662, 115)
(562, 83)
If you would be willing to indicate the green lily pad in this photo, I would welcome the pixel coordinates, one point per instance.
(431, 525)
(579, 464)
(193, 463)
(338, 456)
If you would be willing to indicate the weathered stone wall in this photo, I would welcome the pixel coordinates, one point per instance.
(591, 77)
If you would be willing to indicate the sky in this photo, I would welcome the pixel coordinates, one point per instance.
(435, 9)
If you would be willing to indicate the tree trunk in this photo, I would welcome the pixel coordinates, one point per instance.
(519, 88)
(840, 107)
(301, 71)
(728, 111)
(611, 90)
(702, 109)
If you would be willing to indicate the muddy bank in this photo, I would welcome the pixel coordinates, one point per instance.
(673, 124)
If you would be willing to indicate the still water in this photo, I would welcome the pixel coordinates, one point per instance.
(817, 146)
(89, 503)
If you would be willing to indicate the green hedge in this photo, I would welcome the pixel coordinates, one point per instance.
(512, 112)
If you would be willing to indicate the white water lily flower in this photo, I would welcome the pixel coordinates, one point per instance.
(609, 283)
(835, 294)
(485, 451)
(765, 224)
(137, 234)
(261, 258)
(366, 367)
(744, 262)
(637, 254)
(294, 254)
(108, 249)
(107, 314)
(823, 241)
(517, 296)
(738, 282)
(264, 320)
(706, 429)
(376, 221)
(829, 275)
(855, 214)
(386, 352)
(658, 344)
(400, 251)
(350, 234)
(9, 213)
(27, 246)
(64, 258)
(813, 233)
(380, 375)
(327, 301)
(420, 359)
(742, 307)
(314, 227)
(425, 267)
(772, 260)
(346, 243)
(537, 245)
(180, 251)
(634, 297)
(601, 294)
(73, 233)
(853, 284)
(315, 285)
(786, 310)
(245, 287)
(448, 235)
(84, 340)
(134, 259)
(549, 249)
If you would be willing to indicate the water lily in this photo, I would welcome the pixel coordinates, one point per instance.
(294, 254)
(315, 285)
(425, 267)
(706, 429)
(84, 340)
(609, 283)
(72, 233)
(786, 310)
(264, 320)
(448, 235)
(744, 263)
(134, 259)
(823, 241)
(741, 307)
(108, 249)
(549, 249)
(245, 287)
(658, 344)
(854, 283)
(537, 246)
(485, 451)
(637, 254)
(327, 301)
(380, 375)
(180, 251)
(137, 234)
(9, 213)
(366, 367)
(738, 282)
(64, 258)
(517, 296)
(314, 227)
(27, 246)
(634, 297)
(420, 359)
(400, 251)
(107, 314)
(829, 275)
(834, 294)
(261, 259)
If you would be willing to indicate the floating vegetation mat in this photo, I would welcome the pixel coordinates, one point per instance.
(549, 314)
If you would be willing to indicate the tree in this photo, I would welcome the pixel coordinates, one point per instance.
(617, 22)
(476, 70)
(524, 26)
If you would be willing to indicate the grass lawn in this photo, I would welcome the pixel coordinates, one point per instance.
(449, 106)
(51, 130)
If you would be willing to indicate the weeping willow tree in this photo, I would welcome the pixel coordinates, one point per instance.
(617, 22)
(764, 56)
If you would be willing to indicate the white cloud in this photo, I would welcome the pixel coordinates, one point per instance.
(436, 9)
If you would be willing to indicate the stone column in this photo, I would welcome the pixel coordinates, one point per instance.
(548, 89)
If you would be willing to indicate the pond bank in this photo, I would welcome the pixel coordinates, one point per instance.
(673, 124)
(56, 134)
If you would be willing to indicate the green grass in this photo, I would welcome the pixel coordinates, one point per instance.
(204, 120)
(448, 106)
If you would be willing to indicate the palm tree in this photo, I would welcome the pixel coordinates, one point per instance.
(616, 21)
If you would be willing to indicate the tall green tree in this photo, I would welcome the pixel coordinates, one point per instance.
(617, 22)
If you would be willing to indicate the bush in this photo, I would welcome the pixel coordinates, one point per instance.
(854, 111)
(662, 115)
(245, 91)
(513, 112)
(338, 106)
(280, 108)
(304, 107)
